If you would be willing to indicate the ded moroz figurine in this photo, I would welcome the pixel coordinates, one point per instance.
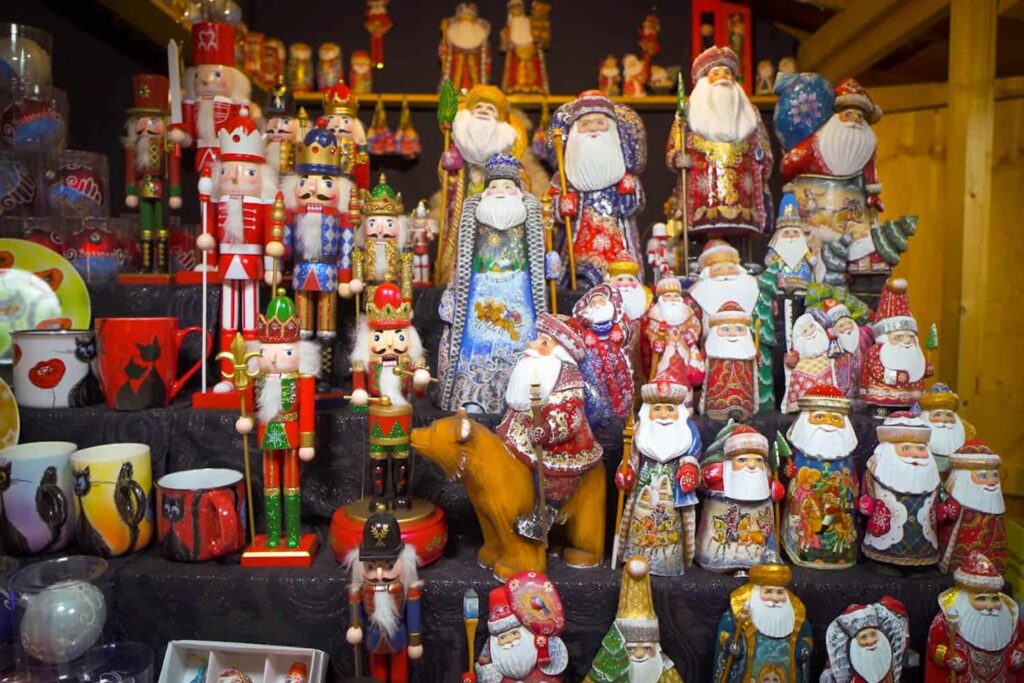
(464, 49)
(808, 362)
(609, 77)
(764, 635)
(285, 413)
(722, 279)
(847, 352)
(977, 635)
(152, 168)
(524, 623)
(382, 253)
(496, 292)
(546, 427)
(789, 249)
(661, 476)
(360, 73)
(341, 111)
(727, 155)
(525, 70)
(894, 368)
(215, 92)
(631, 650)
(388, 366)
(949, 431)
(300, 67)
(670, 336)
(737, 522)
(328, 65)
(818, 527)
(624, 275)
(730, 379)
(600, 151)
(241, 217)
(283, 130)
(900, 495)
(971, 516)
(606, 365)
(661, 253)
(867, 643)
(384, 600)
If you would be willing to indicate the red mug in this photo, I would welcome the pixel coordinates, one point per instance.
(200, 514)
(138, 361)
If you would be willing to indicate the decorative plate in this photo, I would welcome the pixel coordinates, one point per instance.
(39, 290)
(10, 420)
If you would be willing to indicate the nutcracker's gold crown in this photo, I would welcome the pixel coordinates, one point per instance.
(388, 316)
(318, 154)
(382, 200)
(340, 101)
(280, 325)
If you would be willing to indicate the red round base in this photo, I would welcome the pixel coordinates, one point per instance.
(428, 533)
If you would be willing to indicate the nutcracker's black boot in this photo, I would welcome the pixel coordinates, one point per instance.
(379, 475)
(400, 478)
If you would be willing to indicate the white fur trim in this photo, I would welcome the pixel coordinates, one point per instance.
(309, 357)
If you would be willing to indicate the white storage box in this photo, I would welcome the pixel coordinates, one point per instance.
(262, 663)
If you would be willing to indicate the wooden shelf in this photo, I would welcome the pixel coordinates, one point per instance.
(429, 100)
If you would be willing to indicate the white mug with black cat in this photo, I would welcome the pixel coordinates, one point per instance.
(55, 369)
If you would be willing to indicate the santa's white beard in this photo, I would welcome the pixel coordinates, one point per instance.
(973, 496)
(391, 386)
(946, 439)
(845, 147)
(234, 223)
(822, 441)
(467, 34)
(634, 302)
(791, 250)
(385, 612)
(206, 131)
(534, 367)
(989, 631)
(268, 402)
(594, 161)
(745, 484)
(673, 312)
(600, 314)
(646, 670)
(142, 150)
(775, 620)
(910, 358)
(307, 237)
(873, 665)
(660, 440)
(479, 139)
(900, 474)
(810, 347)
(710, 293)
(501, 213)
(516, 660)
(520, 31)
(721, 112)
(729, 348)
(850, 341)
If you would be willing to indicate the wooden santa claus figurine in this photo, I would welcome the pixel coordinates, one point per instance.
(971, 516)
(867, 643)
(949, 430)
(894, 368)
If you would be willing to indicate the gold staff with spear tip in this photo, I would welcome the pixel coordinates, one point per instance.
(953, 617)
(627, 453)
(558, 139)
(547, 214)
(681, 197)
(241, 359)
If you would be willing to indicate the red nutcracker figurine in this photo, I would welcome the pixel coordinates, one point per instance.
(238, 209)
(150, 161)
(215, 91)
(341, 107)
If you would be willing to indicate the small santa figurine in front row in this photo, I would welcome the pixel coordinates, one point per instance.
(867, 643)
(977, 635)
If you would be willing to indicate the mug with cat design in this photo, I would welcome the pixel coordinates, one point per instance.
(113, 486)
(200, 514)
(37, 514)
(55, 369)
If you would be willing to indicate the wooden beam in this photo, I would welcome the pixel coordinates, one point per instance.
(865, 32)
(972, 90)
(797, 33)
(1013, 9)
(827, 5)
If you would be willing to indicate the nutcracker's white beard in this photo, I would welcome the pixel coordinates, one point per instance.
(988, 500)
(142, 143)
(391, 385)
(906, 357)
(773, 619)
(850, 341)
(721, 111)
(517, 659)
(501, 213)
(729, 348)
(206, 131)
(478, 139)
(600, 314)
(634, 301)
(790, 249)
(673, 312)
(307, 237)
(268, 402)
(809, 347)
(845, 147)
(594, 161)
(822, 441)
(900, 474)
(534, 367)
(989, 630)
(872, 664)
(646, 669)
(946, 439)
(745, 484)
(385, 612)
(710, 293)
(234, 224)
(663, 440)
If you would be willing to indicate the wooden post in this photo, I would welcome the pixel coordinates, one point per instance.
(972, 61)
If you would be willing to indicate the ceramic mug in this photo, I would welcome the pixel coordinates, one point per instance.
(55, 369)
(113, 486)
(138, 361)
(200, 514)
(36, 511)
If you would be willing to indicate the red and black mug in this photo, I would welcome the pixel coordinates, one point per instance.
(200, 514)
(138, 361)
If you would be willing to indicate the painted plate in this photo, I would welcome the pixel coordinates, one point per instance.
(39, 290)
(10, 420)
